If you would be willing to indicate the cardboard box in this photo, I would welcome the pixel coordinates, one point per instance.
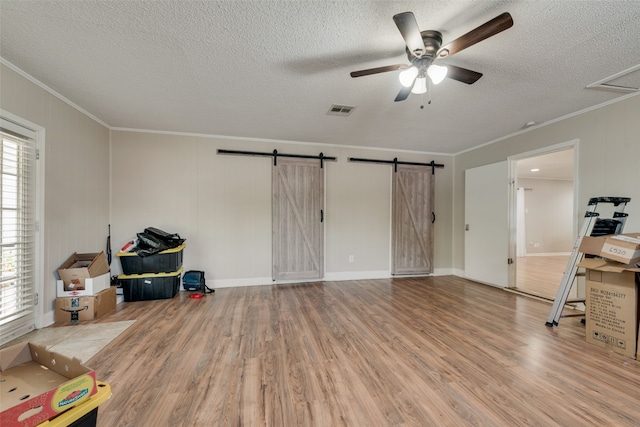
(92, 286)
(53, 383)
(612, 300)
(624, 248)
(73, 309)
(79, 267)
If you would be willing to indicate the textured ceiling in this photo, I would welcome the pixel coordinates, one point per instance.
(272, 69)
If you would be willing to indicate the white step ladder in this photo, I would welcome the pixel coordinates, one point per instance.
(594, 226)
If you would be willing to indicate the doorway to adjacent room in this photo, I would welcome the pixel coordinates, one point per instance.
(544, 206)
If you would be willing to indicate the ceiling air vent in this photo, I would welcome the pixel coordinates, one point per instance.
(624, 81)
(340, 110)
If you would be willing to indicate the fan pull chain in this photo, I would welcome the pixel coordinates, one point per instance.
(428, 94)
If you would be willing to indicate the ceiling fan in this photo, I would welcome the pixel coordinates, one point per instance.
(424, 48)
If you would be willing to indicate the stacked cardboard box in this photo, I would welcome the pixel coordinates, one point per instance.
(86, 307)
(624, 248)
(84, 290)
(75, 271)
(612, 292)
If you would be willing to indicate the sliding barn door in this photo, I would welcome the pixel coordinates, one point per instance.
(412, 220)
(298, 229)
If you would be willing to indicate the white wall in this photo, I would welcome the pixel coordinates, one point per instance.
(548, 215)
(76, 156)
(608, 158)
(222, 204)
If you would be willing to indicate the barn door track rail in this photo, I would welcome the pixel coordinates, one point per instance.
(433, 165)
(275, 156)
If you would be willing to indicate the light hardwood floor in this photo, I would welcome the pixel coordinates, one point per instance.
(541, 275)
(440, 351)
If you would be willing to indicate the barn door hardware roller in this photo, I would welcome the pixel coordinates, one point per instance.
(594, 226)
(395, 162)
(275, 155)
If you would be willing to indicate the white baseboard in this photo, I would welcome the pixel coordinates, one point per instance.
(328, 277)
(356, 275)
(235, 283)
(48, 319)
(444, 271)
(458, 272)
(550, 254)
(485, 283)
(262, 281)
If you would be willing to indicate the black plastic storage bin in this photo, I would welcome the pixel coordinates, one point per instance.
(142, 287)
(166, 261)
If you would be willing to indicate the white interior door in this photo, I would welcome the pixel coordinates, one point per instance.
(486, 243)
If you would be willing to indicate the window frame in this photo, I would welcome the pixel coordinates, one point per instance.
(20, 125)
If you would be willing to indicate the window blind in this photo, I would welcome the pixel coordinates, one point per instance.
(18, 228)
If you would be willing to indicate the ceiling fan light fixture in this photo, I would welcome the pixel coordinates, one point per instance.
(437, 73)
(407, 76)
(420, 86)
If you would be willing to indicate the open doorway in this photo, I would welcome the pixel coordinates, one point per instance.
(544, 225)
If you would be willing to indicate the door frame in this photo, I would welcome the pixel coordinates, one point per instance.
(512, 198)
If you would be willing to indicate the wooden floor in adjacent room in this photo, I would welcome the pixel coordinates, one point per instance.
(440, 351)
(541, 275)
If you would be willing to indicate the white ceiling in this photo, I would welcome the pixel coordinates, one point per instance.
(558, 165)
(272, 69)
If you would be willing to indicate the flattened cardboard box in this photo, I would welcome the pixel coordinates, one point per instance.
(86, 307)
(624, 248)
(78, 267)
(53, 383)
(612, 299)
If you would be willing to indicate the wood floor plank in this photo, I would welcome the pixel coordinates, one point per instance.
(436, 351)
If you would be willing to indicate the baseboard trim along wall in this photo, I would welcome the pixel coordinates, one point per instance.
(328, 277)
(233, 283)
(356, 275)
(550, 254)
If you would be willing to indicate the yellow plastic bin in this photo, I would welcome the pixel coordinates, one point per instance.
(83, 415)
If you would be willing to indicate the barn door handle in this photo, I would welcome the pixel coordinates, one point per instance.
(321, 215)
(433, 217)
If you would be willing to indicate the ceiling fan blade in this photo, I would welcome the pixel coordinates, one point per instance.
(378, 70)
(462, 74)
(408, 26)
(403, 94)
(484, 31)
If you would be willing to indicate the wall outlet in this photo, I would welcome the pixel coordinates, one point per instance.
(350, 258)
